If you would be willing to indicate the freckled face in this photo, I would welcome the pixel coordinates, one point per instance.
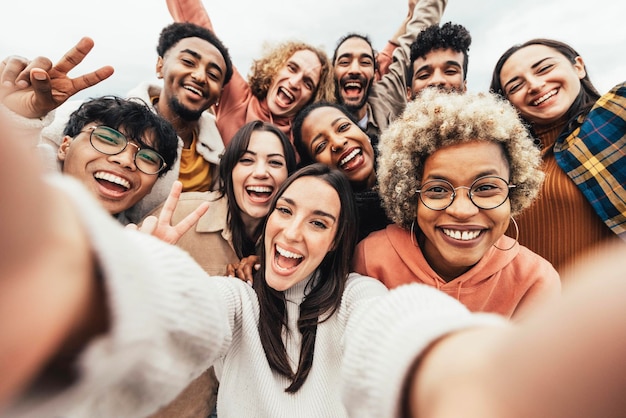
(300, 231)
(333, 139)
(456, 238)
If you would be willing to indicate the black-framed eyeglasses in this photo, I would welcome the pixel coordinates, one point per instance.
(111, 142)
(486, 192)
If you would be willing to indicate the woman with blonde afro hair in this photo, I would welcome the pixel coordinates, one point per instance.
(453, 171)
(289, 76)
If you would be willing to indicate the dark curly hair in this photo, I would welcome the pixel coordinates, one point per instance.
(447, 36)
(172, 34)
(134, 118)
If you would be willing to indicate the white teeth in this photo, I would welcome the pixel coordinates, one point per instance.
(350, 156)
(353, 84)
(287, 93)
(194, 90)
(287, 254)
(544, 97)
(113, 179)
(259, 189)
(463, 236)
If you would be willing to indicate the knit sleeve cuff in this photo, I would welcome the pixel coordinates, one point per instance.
(385, 338)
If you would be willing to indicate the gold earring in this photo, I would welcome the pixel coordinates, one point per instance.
(516, 237)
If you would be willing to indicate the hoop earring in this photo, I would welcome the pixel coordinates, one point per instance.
(413, 234)
(516, 237)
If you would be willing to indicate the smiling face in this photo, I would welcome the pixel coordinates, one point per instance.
(439, 68)
(333, 139)
(257, 175)
(295, 84)
(354, 72)
(300, 231)
(456, 238)
(193, 73)
(113, 179)
(541, 83)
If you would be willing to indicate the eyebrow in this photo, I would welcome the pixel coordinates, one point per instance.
(317, 212)
(535, 65)
(451, 63)
(276, 154)
(350, 55)
(199, 57)
(316, 137)
(491, 172)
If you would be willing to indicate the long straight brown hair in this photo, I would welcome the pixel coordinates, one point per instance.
(322, 298)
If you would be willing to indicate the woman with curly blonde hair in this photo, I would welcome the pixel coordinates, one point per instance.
(289, 76)
(453, 170)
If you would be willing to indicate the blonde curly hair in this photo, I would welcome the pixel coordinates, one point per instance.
(437, 119)
(264, 69)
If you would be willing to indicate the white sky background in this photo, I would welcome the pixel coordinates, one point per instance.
(126, 31)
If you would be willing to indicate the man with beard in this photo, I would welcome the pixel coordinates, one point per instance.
(194, 66)
(375, 103)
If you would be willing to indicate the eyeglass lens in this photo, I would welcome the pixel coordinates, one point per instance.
(110, 141)
(486, 193)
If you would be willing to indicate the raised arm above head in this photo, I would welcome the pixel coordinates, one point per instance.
(192, 11)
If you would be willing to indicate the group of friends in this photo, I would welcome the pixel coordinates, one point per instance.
(357, 235)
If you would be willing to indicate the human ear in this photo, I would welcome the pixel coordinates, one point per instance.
(159, 67)
(579, 67)
(62, 151)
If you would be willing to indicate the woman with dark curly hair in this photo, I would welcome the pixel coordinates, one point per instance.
(289, 76)
(452, 172)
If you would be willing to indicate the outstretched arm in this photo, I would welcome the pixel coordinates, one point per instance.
(32, 89)
(49, 296)
(564, 361)
(192, 11)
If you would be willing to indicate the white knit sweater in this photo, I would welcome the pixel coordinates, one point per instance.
(170, 322)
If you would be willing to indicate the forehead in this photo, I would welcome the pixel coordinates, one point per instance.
(319, 120)
(439, 57)
(528, 56)
(263, 142)
(308, 62)
(354, 46)
(313, 194)
(478, 157)
(206, 50)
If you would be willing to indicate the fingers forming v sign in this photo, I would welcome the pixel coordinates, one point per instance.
(161, 226)
(32, 89)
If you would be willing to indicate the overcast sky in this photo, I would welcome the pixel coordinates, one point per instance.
(126, 31)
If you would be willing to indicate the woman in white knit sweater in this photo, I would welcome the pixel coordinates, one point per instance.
(128, 321)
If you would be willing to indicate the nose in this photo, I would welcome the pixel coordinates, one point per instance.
(292, 231)
(437, 79)
(535, 83)
(295, 80)
(354, 67)
(337, 143)
(462, 206)
(260, 169)
(126, 158)
(198, 75)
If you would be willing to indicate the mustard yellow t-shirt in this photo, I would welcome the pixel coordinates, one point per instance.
(195, 171)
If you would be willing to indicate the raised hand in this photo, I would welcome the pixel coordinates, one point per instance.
(161, 226)
(34, 88)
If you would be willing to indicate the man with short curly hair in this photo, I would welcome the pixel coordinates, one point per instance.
(439, 58)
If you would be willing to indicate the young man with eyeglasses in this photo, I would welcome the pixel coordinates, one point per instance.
(117, 148)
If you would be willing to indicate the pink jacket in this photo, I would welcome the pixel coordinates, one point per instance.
(505, 282)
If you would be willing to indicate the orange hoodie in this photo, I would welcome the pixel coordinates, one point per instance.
(505, 282)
